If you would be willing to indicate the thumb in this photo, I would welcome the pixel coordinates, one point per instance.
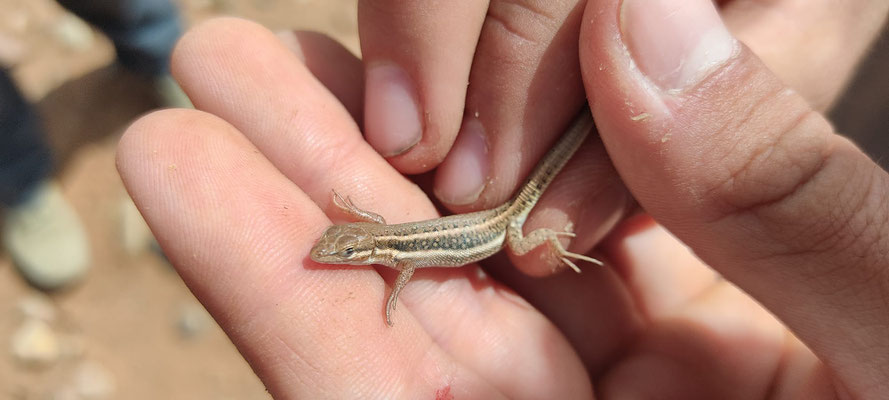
(741, 169)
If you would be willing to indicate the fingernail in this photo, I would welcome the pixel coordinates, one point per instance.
(675, 43)
(291, 42)
(461, 176)
(391, 114)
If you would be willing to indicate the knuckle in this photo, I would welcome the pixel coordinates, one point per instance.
(528, 22)
(795, 178)
(764, 170)
(829, 208)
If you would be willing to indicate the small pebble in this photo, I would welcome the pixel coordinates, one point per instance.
(193, 320)
(37, 306)
(64, 393)
(35, 344)
(93, 381)
(135, 233)
(71, 346)
(198, 5)
(12, 50)
(73, 33)
(17, 20)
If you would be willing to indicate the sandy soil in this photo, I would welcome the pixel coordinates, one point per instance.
(131, 330)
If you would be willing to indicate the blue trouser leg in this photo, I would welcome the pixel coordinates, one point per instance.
(24, 156)
(143, 31)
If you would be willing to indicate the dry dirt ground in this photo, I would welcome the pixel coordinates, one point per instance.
(132, 330)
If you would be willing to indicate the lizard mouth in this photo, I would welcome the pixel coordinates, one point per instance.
(319, 253)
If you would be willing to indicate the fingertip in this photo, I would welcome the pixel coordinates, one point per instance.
(418, 59)
(393, 117)
(661, 272)
(405, 123)
(167, 127)
(155, 143)
(464, 173)
(675, 45)
(155, 126)
(290, 40)
(340, 71)
(209, 37)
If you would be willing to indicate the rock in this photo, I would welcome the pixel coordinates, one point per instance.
(12, 50)
(193, 320)
(135, 233)
(92, 381)
(46, 239)
(35, 344)
(37, 306)
(17, 20)
(64, 393)
(71, 346)
(73, 33)
(199, 5)
(223, 5)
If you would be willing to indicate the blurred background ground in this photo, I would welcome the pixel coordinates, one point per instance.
(132, 330)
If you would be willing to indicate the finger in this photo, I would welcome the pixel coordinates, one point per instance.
(692, 320)
(524, 90)
(791, 36)
(333, 65)
(239, 233)
(744, 172)
(722, 345)
(594, 310)
(306, 135)
(702, 337)
(649, 277)
(661, 274)
(587, 198)
(418, 56)
(293, 119)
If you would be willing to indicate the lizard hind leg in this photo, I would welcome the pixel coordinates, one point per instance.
(520, 244)
(347, 206)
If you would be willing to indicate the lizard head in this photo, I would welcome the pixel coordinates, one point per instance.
(344, 244)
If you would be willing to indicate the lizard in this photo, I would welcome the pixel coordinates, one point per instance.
(454, 240)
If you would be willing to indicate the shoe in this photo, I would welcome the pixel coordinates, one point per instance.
(169, 93)
(135, 235)
(46, 239)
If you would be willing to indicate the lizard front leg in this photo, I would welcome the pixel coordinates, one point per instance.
(349, 208)
(407, 271)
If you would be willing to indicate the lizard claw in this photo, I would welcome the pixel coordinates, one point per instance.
(390, 308)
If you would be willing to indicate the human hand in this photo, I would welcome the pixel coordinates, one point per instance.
(219, 192)
(236, 195)
(746, 173)
(519, 59)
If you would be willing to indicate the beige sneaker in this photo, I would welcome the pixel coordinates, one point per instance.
(46, 239)
(135, 233)
(169, 93)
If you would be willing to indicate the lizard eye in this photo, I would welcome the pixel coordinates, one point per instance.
(348, 251)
